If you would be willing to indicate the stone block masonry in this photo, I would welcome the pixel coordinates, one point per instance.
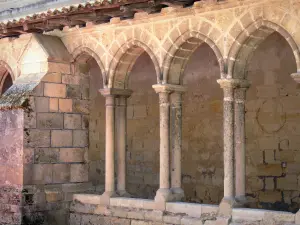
(57, 143)
(235, 145)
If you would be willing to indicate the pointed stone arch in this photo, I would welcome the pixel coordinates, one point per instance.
(175, 61)
(124, 60)
(84, 53)
(248, 40)
(6, 77)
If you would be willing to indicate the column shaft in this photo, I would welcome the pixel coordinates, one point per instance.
(164, 182)
(176, 144)
(228, 143)
(240, 139)
(121, 119)
(110, 145)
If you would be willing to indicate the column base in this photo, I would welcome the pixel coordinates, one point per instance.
(178, 194)
(241, 201)
(106, 196)
(124, 194)
(163, 195)
(226, 206)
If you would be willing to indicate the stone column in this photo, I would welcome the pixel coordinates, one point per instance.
(164, 194)
(109, 142)
(240, 142)
(176, 145)
(121, 139)
(228, 201)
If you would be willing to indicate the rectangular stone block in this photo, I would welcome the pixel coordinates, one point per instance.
(73, 91)
(55, 90)
(80, 138)
(61, 138)
(71, 79)
(53, 105)
(81, 106)
(133, 203)
(37, 138)
(270, 196)
(61, 173)
(52, 78)
(55, 67)
(248, 214)
(53, 196)
(50, 121)
(65, 105)
(46, 155)
(289, 182)
(41, 174)
(72, 121)
(79, 173)
(270, 170)
(72, 155)
(190, 209)
(190, 221)
(41, 104)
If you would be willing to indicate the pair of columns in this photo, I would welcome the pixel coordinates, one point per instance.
(170, 106)
(234, 143)
(115, 137)
(170, 121)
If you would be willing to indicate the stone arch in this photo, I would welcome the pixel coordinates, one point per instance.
(6, 77)
(178, 55)
(124, 60)
(83, 53)
(244, 46)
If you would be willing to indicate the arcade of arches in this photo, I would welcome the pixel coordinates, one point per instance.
(171, 118)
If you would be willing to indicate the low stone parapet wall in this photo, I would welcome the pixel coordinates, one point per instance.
(89, 209)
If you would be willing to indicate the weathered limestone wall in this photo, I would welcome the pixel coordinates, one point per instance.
(143, 131)
(272, 128)
(11, 165)
(55, 145)
(202, 152)
(96, 153)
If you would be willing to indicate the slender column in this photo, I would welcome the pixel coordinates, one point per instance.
(109, 143)
(239, 148)
(164, 194)
(121, 137)
(228, 126)
(176, 144)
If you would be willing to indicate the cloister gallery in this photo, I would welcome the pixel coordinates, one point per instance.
(144, 112)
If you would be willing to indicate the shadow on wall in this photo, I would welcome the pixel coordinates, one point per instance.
(272, 128)
(143, 130)
(202, 151)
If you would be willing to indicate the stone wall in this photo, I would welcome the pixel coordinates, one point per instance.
(55, 145)
(202, 152)
(143, 131)
(96, 153)
(272, 118)
(11, 165)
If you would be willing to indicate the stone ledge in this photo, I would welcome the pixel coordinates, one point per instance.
(132, 203)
